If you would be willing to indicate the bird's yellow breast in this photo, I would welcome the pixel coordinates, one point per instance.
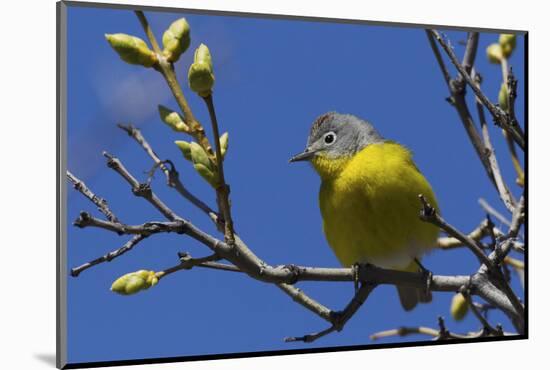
(370, 207)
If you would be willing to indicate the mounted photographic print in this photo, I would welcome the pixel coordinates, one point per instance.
(236, 185)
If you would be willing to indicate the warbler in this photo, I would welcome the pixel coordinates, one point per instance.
(369, 198)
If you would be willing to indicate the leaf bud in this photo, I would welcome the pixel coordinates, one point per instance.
(176, 40)
(494, 53)
(202, 55)
(132, 49)
(459, 307)
(185, 148)
(507, 42)
(134, 282)
(207, 174)
(201, 72)
(172, 119)
(224, 142)
(199, 156)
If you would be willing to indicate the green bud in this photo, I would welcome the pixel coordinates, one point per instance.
(144, 274)
(176, 40)
(153, 280)
(202, 55)
(199, 156)
(185, 148)
(507, 42)
(206, 174)
(201, 79)
(224, 142)
(201, 73)
(459, 307)
(172, 119)
(132, 49)
(494, 53)
(503, 97)
(134, 282)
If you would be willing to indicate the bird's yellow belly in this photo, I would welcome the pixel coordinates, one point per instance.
(358, 233)
(375, 219)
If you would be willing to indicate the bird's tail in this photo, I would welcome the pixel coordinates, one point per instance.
(410, 297)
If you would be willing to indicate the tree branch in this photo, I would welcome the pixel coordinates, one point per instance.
(486, 326)
(339, 319)
(440, 62)
(172, 175)
(457, 90)
(142, 190)
(222, 190)
(436, 334)
(488, 282)
(499, 115)
(101, 203)
(501, 187)
(283, 276)
(429, 214)
(167, 70)
(109, 256)
(146, 229)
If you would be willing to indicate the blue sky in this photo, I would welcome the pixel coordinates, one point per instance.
(273, 77)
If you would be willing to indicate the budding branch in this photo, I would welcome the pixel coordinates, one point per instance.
(232, 254)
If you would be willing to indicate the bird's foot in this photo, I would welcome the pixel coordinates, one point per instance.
(427, 275)
(355, 272)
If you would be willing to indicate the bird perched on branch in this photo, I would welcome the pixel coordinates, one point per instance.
(369, 198)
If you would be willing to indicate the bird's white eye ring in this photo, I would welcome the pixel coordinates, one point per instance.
(329, 138)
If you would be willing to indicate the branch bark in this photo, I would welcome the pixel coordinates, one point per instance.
(457, 89)
(501, 118)
(167, 70)
(172, 175)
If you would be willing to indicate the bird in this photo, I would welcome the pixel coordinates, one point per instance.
(369, 198)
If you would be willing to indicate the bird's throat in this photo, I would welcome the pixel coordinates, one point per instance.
(329, 168)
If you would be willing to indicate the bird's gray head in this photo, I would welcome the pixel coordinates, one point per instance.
(335, 135)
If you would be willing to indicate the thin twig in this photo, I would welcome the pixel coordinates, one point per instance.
(493, 212)
(109, 256)
(486, 326)
(101, 203)
(514, 262)
(172, 175)
(510, 82)
(407, 330)
(167, 70)
(339, 319)
(139, 189)
(440, 62)
(148, 228)
(499, 115)
(500, 184)
(470, 52)
(477, 234)
(187, 263)
(404, 331)
(457, 99)
(429, 214)
(301, 298)
(517, 218)
(222, 190)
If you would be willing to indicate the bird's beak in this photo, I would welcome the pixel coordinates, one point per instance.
(306, 155)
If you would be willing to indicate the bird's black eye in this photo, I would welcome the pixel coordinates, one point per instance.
(330, 138)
